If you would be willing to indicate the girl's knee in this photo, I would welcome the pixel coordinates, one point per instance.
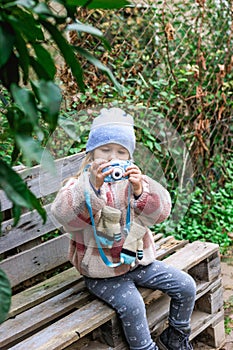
(189, 286)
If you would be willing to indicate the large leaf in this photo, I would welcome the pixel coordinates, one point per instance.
(99, 65)
(6, 43)
(80, 27)
(45, 60)
(22, 49)
(33, 151)
(99, 4)
(5, 296)
(24, 23)
(24, 3)
(50, 97)
(17, 191)
(67, 52)
(26, 102)
(39, 69)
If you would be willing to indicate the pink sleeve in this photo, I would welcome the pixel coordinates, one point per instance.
(154, 204)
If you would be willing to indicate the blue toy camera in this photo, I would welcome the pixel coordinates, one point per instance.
(119, 168)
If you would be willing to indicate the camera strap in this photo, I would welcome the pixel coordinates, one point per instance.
(89, 207)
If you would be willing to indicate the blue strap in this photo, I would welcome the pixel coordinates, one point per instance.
(102, 254)
(128, 223)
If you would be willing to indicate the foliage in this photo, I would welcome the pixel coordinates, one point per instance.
(5, 296)
(187, 78)
(28, 73)
(228, 320)
(210, 213)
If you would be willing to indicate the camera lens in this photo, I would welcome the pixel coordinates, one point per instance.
(117, 173)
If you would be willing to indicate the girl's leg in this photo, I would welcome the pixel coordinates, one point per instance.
(177, 284)
(122, 294)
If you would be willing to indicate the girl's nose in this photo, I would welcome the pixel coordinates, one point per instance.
(112, 156)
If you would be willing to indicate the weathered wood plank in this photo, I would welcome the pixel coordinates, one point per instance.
(44, 291)
(39, 259)
(208, 269)
(212, 301)
(214, 335)
(42, 314)
(42, 183)
(192, 254)
(29, 227)
(69, 329)
(78, 324)
(201, 321)
(167, 245)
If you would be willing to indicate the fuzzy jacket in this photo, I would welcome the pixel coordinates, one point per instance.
(69, 208)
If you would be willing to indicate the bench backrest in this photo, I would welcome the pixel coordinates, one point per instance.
(28, 250)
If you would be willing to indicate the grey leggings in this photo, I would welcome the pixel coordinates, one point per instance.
(122, 294)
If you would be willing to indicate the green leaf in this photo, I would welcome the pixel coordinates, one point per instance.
(6, 43)
(80, 27)
(25, 3)
(39, 69)
(17, 191)
(50, 97)
(33, 151)
(67, 53)
(99, 65)
(23, 55)
(99, 4)
(26, 102)
(5, 296)
(45, 60)
(24, 23)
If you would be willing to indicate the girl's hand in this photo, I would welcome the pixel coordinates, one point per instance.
(96, 172)
(135, 178)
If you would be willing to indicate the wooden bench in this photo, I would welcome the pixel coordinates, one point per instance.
(51, 308)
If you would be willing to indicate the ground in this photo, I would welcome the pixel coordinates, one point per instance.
(227, 272)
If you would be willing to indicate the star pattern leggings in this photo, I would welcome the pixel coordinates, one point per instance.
(121, 293)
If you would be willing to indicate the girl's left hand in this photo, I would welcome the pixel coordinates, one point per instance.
(135, 178)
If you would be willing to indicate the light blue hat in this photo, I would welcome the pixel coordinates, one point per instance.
(112, 126)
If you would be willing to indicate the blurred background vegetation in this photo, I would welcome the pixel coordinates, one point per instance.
(174, 62)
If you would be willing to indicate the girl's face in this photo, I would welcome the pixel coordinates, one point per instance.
(111, 151)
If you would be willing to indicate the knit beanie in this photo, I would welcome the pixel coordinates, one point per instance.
(112, 126)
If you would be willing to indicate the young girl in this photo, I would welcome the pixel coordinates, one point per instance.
(108, 208)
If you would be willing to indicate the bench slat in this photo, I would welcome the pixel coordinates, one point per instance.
(29, 227)
(196, 251)
(42, 183)
(76, 325)
(34, 261)
(43, 291)
(43, 313)
(69, 329)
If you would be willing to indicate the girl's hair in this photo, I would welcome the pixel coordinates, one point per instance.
(86, 160)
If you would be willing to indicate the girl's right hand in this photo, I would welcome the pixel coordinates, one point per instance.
(97, 175)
